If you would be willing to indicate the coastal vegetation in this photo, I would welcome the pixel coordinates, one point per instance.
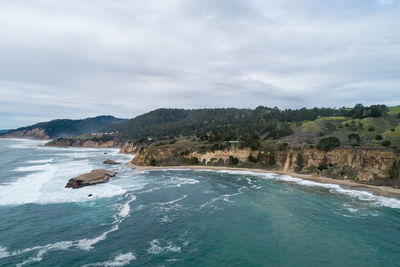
(63, 128)
(360, 143)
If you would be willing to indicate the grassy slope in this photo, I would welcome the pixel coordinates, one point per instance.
(310, 131)
(394, 110)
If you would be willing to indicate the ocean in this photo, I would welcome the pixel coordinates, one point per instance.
(182, 217)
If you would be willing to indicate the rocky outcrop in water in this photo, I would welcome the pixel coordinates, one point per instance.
(111, 162)
(94, 177)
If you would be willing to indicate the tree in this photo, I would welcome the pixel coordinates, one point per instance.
(328, 143)
(358, 111)
(250, 140)
(386, 143)
(378, 137)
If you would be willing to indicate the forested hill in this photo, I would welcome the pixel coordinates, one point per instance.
(224, 124)
(63, 128)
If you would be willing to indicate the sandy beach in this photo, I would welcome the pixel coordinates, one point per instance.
(378, 190)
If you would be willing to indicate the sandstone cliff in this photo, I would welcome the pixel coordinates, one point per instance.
(77, 142)
(369, 166)
(36, 133)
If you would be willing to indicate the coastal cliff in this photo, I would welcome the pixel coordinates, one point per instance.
(79, 142)
(35, 133)
(367, 166)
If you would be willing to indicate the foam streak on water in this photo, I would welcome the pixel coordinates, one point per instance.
(83, 244)
(119, 260)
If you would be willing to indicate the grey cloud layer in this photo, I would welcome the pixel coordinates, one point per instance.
(82, 58)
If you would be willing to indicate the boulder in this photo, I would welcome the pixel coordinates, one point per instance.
(110, 161)
(94, 177)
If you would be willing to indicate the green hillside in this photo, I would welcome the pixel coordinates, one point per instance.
(68, 128)
(376, 126)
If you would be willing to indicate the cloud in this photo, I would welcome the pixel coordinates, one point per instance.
(83, 58)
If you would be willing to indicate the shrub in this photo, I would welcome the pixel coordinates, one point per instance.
(233, 160)
(371, 128)
(271, 160)
(283, 146)
(378, 137)
(393, 129)
(328, 143)
(194, 160)
(354, 139)
(252, 159)
(322, 166)
(152, 162)
(386, 143)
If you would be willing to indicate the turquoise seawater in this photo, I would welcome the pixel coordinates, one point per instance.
(182, 217)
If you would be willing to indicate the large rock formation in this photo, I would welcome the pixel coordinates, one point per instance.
(94, 177)
(364, 165)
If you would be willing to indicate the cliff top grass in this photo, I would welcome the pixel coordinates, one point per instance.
(394, 110)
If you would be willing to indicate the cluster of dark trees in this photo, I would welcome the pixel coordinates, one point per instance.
(227, 124)
(359, 111)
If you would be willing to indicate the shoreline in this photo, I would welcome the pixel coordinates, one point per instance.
(385, 191)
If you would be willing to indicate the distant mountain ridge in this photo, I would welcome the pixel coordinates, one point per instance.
(62, 128)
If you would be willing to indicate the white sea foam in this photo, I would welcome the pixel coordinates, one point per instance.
(126, 208)
(119, 260)
(173, 201)
(26, 143)
(157, 248)
(83, 244)
(47, 185)
(361, 195)
(40, 161)
(32, 168)
(183, 181)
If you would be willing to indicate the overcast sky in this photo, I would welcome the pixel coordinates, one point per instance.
(74, 59)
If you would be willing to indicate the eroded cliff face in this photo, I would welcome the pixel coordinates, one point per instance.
(75, 142)
(36, 133)
(343, 163)
(128, 148)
